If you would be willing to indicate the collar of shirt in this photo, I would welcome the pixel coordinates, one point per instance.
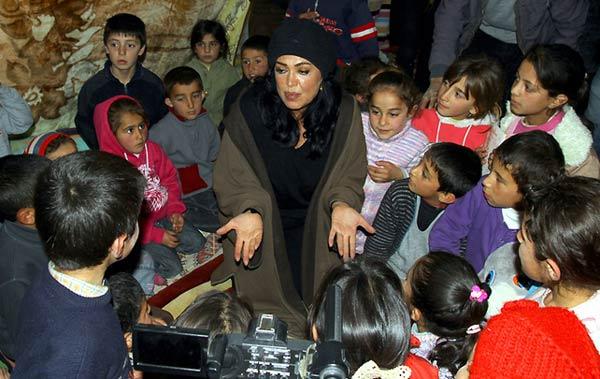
(78, 286)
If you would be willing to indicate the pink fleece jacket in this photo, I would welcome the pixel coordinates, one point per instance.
(162, 196)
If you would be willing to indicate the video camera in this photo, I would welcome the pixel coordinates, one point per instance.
(264, 352)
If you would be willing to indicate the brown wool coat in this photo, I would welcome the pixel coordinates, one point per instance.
(241, 182)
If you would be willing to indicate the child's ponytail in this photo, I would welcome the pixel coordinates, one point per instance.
(452, 302)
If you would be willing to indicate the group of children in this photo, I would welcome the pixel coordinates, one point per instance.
(432, 293)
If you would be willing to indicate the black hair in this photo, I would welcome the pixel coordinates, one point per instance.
(124, 105)
(441, 288)
(484, 81)
(458, 168)
(564, 225)
(19, 175)
(127, 299)
(218, 312)
(319, 117)
(375, 322)
(204, 27)
(357, 75)
(181, 75)
(257, 42)
(127, 24)
(83, 202)
(402, 85)
(560, 70)
(534, 160)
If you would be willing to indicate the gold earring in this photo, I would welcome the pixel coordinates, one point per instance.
(321, 88)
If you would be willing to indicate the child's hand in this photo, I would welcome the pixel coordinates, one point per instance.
(385, 172)
(170, 239)
(177, 222)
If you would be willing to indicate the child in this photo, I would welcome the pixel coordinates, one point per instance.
(526, 341)
(359, 74)
(559, 248)
(467, 104)
(412, 205)
(22, 250)
(255, 65)
(218, 312)
(87, 205)
(15, 116)
(131, 307)
(487, 216)
(121, 126)
(375, 322)
(210, 48)
(393, 145)
(550, 81)
(191, 141)
(447, 304)
(51, 145)
(123, 74)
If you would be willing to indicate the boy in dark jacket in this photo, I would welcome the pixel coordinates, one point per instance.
(123, 74)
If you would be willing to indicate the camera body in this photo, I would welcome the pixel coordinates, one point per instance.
(264, 352)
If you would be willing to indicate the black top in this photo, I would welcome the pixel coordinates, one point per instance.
(426, 215)
(294, 176)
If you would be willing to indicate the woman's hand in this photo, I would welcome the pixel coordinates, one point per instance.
(384, 172)
(430, 96)
(344, 222)
(249, 231)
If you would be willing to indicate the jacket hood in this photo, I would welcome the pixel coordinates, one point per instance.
(106, 139)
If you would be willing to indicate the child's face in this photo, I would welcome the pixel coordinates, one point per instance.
(186, 100)
(388, 114)
(254, 63)
(64, 149)
(132, 132)
(499, 187)
(527, 96)
(530, 265)
(423, 180)
(452, 100)
(208, 50)
(123, 51)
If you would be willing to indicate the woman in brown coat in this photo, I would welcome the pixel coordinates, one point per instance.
(289, 177)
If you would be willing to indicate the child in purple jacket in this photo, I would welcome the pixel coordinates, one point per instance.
(488, 216)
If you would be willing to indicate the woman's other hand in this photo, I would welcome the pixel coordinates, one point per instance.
(249, 231)
(344, 222)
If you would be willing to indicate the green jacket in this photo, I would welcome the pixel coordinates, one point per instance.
(216, 81)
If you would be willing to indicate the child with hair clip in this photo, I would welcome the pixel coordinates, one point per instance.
(488, 215)
(467, 105)
(375, 322)
(560, 248)
(122, 130)
(394, 147)
(549, 83)
(210, 48)
(447, 304)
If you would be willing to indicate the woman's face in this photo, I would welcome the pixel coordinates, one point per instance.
(298, 82)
